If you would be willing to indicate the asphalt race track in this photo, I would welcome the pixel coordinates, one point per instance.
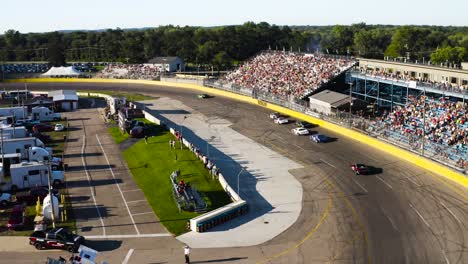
(402, 215)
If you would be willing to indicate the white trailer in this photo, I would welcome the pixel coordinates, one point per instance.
(20, 145)
(30, 174)
(44, 114)
(15, 132)
(19, 112)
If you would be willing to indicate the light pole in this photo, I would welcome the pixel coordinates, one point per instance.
(238, 180)
(181, 134)
(51, 197)
(350, 102)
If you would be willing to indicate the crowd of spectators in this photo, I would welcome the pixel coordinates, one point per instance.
(442, 122)
(286, 73)
(24, 68)
(129, 71)
(423, 82)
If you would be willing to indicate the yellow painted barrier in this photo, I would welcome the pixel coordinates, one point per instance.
(373, 142)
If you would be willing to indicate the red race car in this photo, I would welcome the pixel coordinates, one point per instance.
(360, 168)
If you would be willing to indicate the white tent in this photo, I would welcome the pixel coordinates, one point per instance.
(62, 71)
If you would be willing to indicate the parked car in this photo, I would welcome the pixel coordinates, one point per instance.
(5, 199)
(300, 131)
(42, 128)
(30, 197)
(137, 132)
(281, 120)
(275, 115)
(304, 124)
(43, 137)
(59, 127)
(58, 238)
(360, 168)
(17, 217)
(319, 138)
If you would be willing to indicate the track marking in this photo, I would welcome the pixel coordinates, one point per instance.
(130, 236)
(358, 184)
(329, 164)
(143, 213)
(382, 180)
(127, 257)
(136, 201)
(133, 190)
(118, 186)
(445, 257)
(89, 183)
(413, 181)
(325, 214)
(450, 211)
(420, 216)
(389, 219)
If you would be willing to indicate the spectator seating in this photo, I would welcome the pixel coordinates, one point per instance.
(129, 71)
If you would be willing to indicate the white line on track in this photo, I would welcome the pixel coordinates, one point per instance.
(91, 188)
(127, 257)
(389, 219)
(420, 216)
(133, 190)
(130, 236)
(328, 163)
(450, 211)
(382, 180)
(143, 213)
(358, 184)
(413, 181)
(136, 201)
(445, 257)
(117, 184)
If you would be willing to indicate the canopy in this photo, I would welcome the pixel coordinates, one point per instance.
(62, 71)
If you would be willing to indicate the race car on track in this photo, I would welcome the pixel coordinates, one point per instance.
(360, 168)
(203, 96)
(275, 115)
(299, 131)
(304, 124)
(281, 120)
(319, 138)
(57, 238)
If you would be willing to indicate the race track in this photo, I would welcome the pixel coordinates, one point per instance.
(403, 215)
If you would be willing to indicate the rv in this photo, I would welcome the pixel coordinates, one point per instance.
(20, 145)
(44, 114)
(34, 154)
(19, 112)
(30, 174)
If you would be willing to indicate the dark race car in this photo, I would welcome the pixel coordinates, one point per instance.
(360, 168)
(57, 238)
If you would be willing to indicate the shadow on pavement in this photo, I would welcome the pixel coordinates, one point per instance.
(103, 245)
(218, 260)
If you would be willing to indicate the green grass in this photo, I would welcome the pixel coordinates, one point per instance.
(57, 143)
(129, 96)
(151, 165)
(118, 136)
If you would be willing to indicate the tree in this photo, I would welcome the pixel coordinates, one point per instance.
(448, 54)
(55, 50)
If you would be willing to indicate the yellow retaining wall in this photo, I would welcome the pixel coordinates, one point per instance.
(373, 142)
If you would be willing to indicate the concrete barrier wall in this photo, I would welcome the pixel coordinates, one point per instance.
(373, 142)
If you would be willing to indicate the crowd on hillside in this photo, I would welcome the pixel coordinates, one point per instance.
(406, 77)
(24, 68)
(446, 125)
(129, 71)
(287, 73)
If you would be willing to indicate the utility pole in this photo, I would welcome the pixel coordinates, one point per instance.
(350, 102)
(49, 172)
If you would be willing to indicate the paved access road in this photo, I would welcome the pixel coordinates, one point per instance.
(404, 215)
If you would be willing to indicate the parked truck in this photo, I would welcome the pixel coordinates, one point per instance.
(31, 174)
(20, 145)
(44, 114)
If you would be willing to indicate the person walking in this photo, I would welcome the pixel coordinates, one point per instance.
(187, 254)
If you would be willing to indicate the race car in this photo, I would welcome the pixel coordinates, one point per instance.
(319, 138)
(58, 238)
(360, 168)
(275, 115)
(300, 131)
(304, 124)
(203, 96)
(281, 120)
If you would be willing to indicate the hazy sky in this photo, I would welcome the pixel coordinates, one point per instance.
(48, 15)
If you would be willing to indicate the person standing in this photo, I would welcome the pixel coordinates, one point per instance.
(187, 254)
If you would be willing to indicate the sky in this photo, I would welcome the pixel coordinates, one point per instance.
(50, 15)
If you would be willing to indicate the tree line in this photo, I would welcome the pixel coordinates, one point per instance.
(226, 46)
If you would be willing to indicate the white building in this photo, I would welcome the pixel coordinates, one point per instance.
(66, 100)
(169, 64)
(327, 102)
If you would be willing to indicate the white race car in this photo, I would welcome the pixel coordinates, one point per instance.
(281, 120)
(299, 131)
(275, 115)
